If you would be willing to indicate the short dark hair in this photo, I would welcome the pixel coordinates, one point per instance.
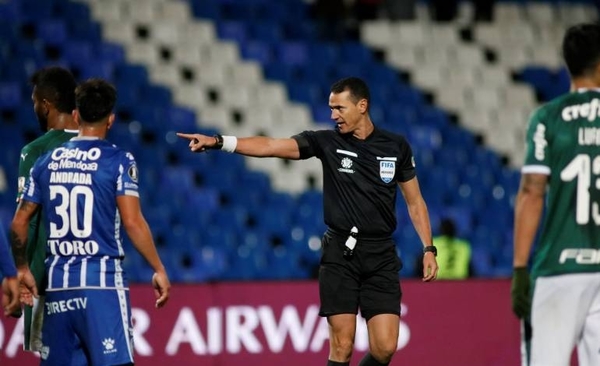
(357, 87)
(581, 48)
(57, 85)
(447, 227)
(95, 100)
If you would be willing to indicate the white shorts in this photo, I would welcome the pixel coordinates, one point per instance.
(566, 313)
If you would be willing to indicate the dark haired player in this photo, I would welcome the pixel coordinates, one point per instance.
(88, 189)
(562, 172)
(53, 98)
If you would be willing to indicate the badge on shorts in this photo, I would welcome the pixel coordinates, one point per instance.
(387, 170)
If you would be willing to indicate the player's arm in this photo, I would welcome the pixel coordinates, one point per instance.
(10, 295)
(139, 232)
(529, 207)
(18, 239)
(257, 146)
(18, 231)
(417, 210)
(10, 282)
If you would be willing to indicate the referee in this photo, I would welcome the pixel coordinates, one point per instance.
(359, 266)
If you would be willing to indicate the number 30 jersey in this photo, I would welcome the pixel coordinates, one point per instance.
(563, 142)
(77, 185)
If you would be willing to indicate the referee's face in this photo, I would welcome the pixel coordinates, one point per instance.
(345, 112)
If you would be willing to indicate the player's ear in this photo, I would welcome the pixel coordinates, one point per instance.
(111, 120)
(75, 115)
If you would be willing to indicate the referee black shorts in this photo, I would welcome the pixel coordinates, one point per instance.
(368, 281)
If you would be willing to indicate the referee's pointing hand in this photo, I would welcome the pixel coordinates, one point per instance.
(198, 142)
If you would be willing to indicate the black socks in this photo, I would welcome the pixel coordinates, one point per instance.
(369, 360)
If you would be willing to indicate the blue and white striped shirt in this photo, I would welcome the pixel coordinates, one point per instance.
(77, 185)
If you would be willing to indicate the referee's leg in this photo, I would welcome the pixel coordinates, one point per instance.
(342, 328)
(383, 339)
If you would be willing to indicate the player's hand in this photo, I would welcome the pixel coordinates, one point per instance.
(430, 267)
(10, 296)
(27, 287)
(519, 292)
(161, 285)
(198, 142)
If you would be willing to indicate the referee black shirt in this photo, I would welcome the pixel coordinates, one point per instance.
(360, 177)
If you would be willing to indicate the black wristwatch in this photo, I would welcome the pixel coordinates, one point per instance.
(430, 248)
(218, 142)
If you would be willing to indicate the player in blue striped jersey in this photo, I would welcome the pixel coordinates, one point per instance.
(88, 189)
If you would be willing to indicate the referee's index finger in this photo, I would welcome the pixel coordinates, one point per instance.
(189, 136)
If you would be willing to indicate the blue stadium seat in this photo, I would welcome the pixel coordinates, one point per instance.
(321, 112)
(356, 52)
(200, 265)
(284, 264)
(9, 11)
(265, 31)
(292, 53)
(482, 263)
(99, 69)
(325, 53)
(14, 70)
(10, 95)
(131, 73)
(177, 178)
(82, 29)
(434, 117)
(259, 51)
(209, 9)
(52, 31)
(156, 95)
(36, 10)
(379, 74)
(74, 11)
(307, 93)
(26, 118)
(232, 30)
(425, 137)
(462, 217)
(110, 52)
(248, 264)
(181, 118)
(299, 30)
(274, 220)
(78, 52)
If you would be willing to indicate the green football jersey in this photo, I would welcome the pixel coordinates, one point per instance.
(563, 142)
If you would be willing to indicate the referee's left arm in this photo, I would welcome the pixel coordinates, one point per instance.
(417, 210)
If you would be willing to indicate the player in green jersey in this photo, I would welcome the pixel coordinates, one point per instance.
(53, 99)
(560, 305)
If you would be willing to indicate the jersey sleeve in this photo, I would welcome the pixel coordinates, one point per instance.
(406, 163)
(537, 155)
(31, 190)
(127, 181)
(310, 143)
(27, 159)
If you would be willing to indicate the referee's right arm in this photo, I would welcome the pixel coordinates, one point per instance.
(256, 146)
